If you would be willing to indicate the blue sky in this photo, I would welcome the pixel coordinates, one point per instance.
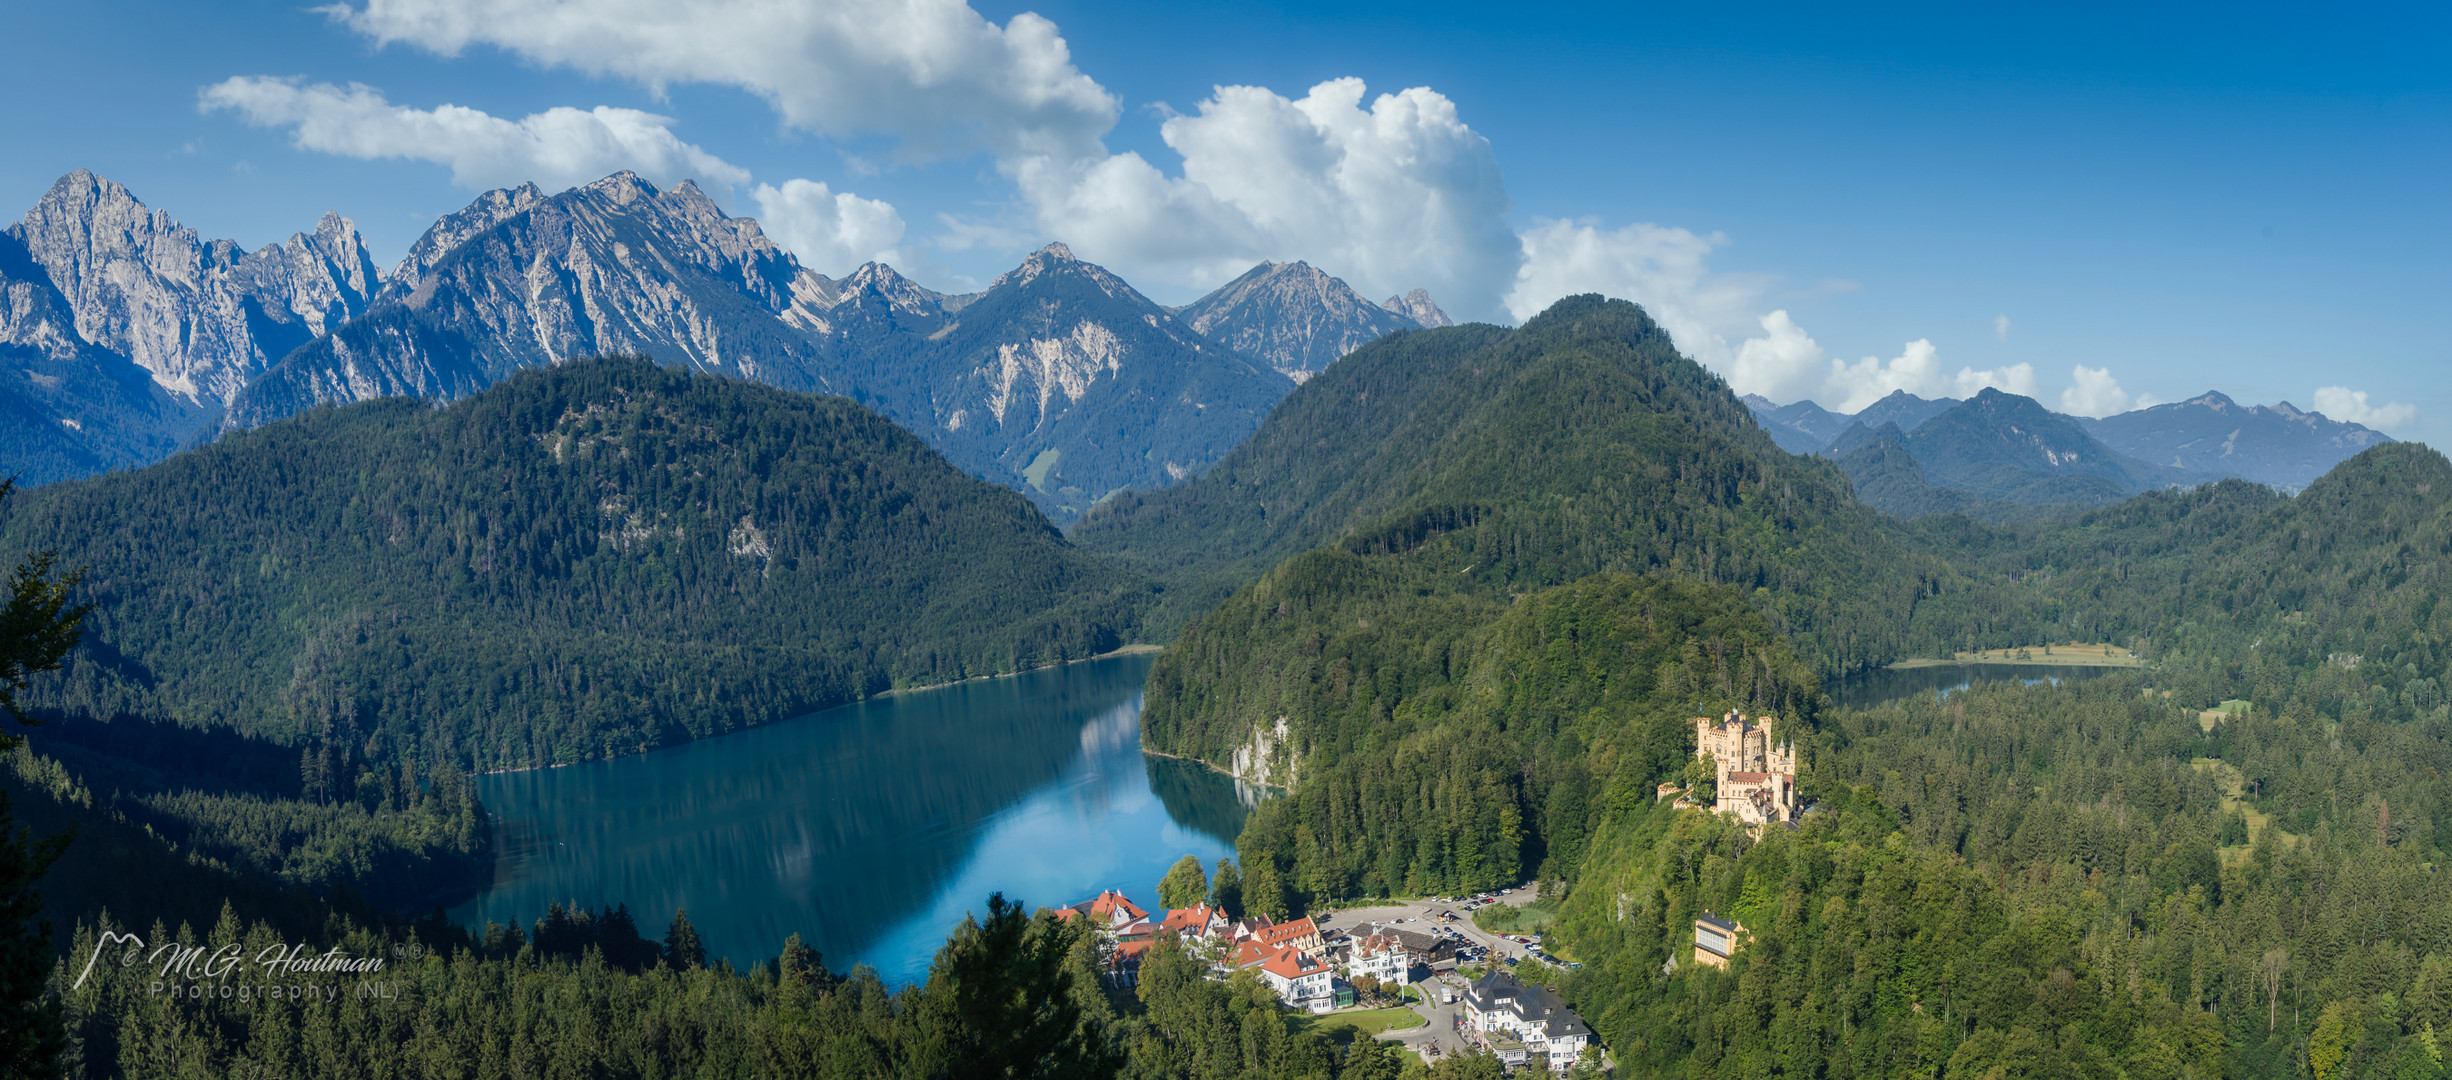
(1817, 202)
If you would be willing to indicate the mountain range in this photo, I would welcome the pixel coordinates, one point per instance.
(1994, 454)
(128, 336)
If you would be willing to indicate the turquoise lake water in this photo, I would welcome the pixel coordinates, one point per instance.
(868, 829)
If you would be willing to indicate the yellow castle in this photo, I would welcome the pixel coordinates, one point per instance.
(1757, 778)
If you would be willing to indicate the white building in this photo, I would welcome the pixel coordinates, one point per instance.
(1519, 1022)
(1381, 956)
(1299, 978)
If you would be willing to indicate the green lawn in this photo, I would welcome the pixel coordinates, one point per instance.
(1367, 1023)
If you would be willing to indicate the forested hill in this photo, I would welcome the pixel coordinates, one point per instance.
(2249, 589)
(1483, 462)
(585, 560)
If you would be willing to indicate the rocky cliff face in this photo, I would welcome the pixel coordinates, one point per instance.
(69, 408)
(203, 317)
(518, 280)
(1294, 318)
(1064, 380)
(1059, 379)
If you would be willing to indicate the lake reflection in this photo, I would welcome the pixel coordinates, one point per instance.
(868, 829)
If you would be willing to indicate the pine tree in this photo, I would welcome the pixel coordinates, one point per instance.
(682, 948)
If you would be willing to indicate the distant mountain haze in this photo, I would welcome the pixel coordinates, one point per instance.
(2001, 456)
(2278, 445)
(1059, 380)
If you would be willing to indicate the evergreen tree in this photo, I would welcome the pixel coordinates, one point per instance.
(1226, 889)
(682, 948)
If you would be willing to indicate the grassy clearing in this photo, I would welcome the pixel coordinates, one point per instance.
(2226, 710)
(2057, 654)
(1345, 1026)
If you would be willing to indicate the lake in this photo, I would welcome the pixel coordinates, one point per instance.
(868, 829)
(1891, 684)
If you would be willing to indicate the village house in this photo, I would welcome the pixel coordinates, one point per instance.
(1109, 913)
(1197, 921)
(1757, 778)
(1382, 956)
(1300, 978)
(1523, 1024)
(1299, 933)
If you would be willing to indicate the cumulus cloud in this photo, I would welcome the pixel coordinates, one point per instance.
(831, 231)
(2093, 392)
(2350, 406)
(1395, 195)
(557, 148)
(1784, 364)
(2000, 328)
(1667, 270)
(933, 74)
(1917, 370)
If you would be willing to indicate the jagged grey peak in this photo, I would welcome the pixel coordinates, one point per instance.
(1293, 317)
(451, 230)
(1416, 306)
(616, 266)
(1059, 378)
(202, 316)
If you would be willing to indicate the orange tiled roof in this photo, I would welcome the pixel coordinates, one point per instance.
(1285, 932)
(1195, 918)
(1292, 964)
(1112, 901)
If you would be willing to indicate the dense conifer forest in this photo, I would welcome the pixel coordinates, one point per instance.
(592, 559)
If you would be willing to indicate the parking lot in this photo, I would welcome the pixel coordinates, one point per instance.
(1424, 917)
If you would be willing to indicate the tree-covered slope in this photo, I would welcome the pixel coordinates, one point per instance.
(2350, 572)
(584, 560)
(1481, 462)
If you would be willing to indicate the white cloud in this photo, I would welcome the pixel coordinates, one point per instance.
(2145, 401)
(1667, 270)
(1917, 370)
(2350, 406)
(832, 232)
(557, 148)
(2000, 328)
(1398, 195)
(1784, 364)
(2093, 392)
(933, 74)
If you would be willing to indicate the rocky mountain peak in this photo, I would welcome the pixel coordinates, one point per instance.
(1416, 306)
(203, 317)
(624, 187)
(453, 229)
(1292, 316)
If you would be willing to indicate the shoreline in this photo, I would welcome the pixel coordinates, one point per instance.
(1211, 766)
(1134, 649)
